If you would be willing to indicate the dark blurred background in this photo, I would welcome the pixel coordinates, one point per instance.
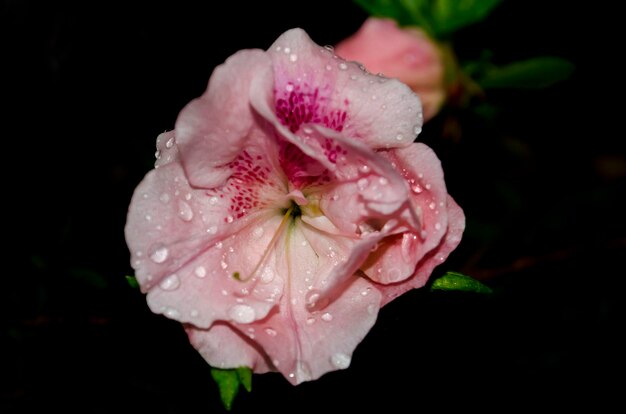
(87, 87)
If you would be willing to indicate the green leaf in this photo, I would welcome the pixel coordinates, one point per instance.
(458, 281)
(229, 380)
(405, 12)
(245, 377)
(534, 73)
(132, 281)
(451, 15)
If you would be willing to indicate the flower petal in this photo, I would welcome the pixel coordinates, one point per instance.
(209, 136)
(312, 85)
(224, 347)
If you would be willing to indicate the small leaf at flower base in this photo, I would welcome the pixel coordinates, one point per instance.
(245, 377)
(132, 281)
(458, 281)
(534, 73)
(451, 15)
(228, 382)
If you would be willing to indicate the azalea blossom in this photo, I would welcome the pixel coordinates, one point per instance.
(288, 205)
(407, 54)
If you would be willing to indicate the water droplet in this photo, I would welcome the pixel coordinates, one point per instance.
(172, 282)
(218, 245)
(213, 200)
(311, 298)
(394, 274)
(335, 197)
(420, 175)
(159, 254)
(310, 320)
(224, 292)
(165, 198)
(383, 181)
(289, 87)
(417, 129)
(364, 168)
(343, 66)
(229, 219)
(287, 50)
(157, 154)
(169, 143)
(224, 265)
(303, 371)
(416, 188)
(267, 275)
(374, 97)
(340, 360)
(432, 205)
(148, 217)
(362, 183)
(188, 196)
(423, 234)
(270, 331)
(212, 230)
(171, 313)
(399, 137)
(366, 291)
(278, 48)
(327, 317)
(354, 77)
(193, 313)
(184, 211)
(328, 67)
(242, 314)
(437, 226)
(200, 271)
(257, 232)
(371, 309)
(293, 57)
(329, 48)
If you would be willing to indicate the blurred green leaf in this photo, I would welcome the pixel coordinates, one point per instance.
(405, 12)
(451, 15)
(132, 281)
(460, 282)
(534, 73)
(228, 382)
(89, 277)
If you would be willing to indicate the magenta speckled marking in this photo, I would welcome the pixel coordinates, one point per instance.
(297, 105)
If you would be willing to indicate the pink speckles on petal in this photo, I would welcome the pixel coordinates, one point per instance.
(300, 103)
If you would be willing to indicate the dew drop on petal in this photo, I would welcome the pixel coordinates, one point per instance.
(417, 129)
(193, 313)
(327, 317)
(371, 309)
(310, 320)
(293, 57)
(399, 137)
(343, 66)
(229, 219)
(200, 271)
(267, 275)
(184, 211)
(340, 360)
(171, 313)
(416, 188)
(328, 67)
(362, 183)
(213, 200)
(212, 230)
(159, 254)
(437, 226)
(257, 232)
(242, 314)
(169, 143)
(165, 198)
(432, 205)
(172, 282)
(270, 331)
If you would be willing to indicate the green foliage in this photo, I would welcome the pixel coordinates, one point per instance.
(449, 16)
(229, 380)
(437, 17)
(534, 73)
(460, 282)
(132, 281)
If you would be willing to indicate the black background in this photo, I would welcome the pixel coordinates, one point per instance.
(88, 86)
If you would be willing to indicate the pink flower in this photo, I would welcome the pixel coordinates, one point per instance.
(288, 205)
(406, 54)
